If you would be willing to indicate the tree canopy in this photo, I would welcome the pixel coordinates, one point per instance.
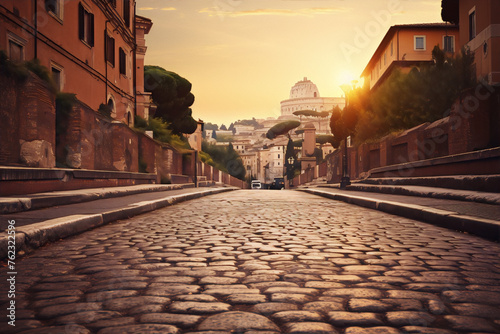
(210, 126)
(323, 139)
(403, 101)
(224, 158)
(161, 132)
(342, 124)
(311, 113)
(249, 122)
(281, 129)
(172, 94)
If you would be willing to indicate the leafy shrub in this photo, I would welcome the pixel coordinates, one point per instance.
(161, 132)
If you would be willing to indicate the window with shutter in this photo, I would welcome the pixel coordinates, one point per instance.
(122, 59)
(85, 25)
(55, 8)
(110, 49)
(449, 43)
(419, 43)
(126, 12)
(472, 24)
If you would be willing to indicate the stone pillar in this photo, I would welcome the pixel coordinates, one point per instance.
(196, 138)
(308, 160)
(309, 143)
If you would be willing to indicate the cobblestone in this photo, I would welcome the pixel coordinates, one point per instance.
(260, 262)
(425, 330)
(181, 320)
(345, 319)
(406, 318)
(372, 330)
(470, 324)
(237, 321)
(295, 316)
(368, 305)
(146, 328)
(310, 328)
(270, 308)
(199, 307)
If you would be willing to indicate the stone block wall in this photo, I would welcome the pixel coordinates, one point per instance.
(470, 120)
(87, 141)
(27, 118)
(473, 125)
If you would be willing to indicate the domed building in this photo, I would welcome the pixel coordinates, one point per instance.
(304, 95)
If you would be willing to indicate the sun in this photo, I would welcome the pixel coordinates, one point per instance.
(346, 77)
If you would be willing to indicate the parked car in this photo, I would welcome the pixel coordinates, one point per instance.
(256, 184)
(278, 183)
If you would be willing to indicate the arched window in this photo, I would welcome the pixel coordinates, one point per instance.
(111, 106)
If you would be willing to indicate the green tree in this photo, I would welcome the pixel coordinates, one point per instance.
(323, 139)
(225, 159)
(425, 94)
(282, 129)
(209, 126)
(161, 132)
(172, 94)
(311, 113)
(250, 122)
(341, 125)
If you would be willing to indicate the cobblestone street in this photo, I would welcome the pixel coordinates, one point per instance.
(263, 262)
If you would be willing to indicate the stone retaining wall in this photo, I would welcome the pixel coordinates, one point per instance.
(472, 126)
(88, 141)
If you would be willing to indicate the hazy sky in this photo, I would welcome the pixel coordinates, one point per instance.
(243, 56)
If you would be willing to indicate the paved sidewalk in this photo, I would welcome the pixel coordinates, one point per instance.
(35, 228)
(18, 203)
(429, 192)
(427, 204)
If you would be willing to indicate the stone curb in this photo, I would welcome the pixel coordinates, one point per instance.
(451, 194)
(469, 196)
(46, 200)
(486, 228)
(33, 236)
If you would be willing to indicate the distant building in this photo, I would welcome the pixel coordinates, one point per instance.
(196, 138)
(263, 165)
(276, 161)
(243, 130)
(479, 24)
(304, 95)
(250, 162)
(406, 46)
(223, 133)
(242, 146)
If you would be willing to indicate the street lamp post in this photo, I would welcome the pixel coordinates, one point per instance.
(291, 160)
(345, 181)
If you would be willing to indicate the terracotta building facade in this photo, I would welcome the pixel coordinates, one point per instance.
(479, 22)
(88, 46)
(406, 46)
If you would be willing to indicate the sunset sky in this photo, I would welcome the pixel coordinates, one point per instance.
(243, 56)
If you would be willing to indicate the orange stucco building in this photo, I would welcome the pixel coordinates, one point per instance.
(479, 22)
(406, 46)
(89, 46)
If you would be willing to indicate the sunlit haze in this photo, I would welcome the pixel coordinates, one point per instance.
(243, 56)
